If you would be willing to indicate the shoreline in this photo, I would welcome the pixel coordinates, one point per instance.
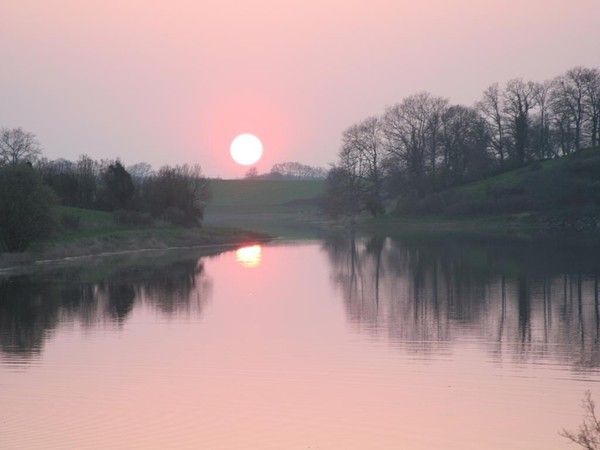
(129, 241)
(528, 227)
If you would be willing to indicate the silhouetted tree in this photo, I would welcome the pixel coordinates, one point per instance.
(363, 154)
(423, 145)
(294, 169)
(541, 140)
(465, 141)
(18, 146)
(491, 107)
(252, 172)
(411, 130)
(117, 187)
(592, 104)
(519, 100)
(569, 100)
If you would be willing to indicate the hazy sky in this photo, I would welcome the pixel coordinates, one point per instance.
(174, 81)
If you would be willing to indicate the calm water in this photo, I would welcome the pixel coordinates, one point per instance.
(342, 343)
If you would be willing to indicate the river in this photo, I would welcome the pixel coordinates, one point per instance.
(350, 343)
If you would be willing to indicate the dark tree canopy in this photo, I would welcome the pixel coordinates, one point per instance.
(178, 194)
(26, 207)
(118, 189)
(423, 144)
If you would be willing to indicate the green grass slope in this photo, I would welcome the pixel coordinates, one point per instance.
(559, 188)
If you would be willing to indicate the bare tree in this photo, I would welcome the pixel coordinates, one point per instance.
(252, 172)
(569, 100)
(362, 156)
(519, 100)
(411, 132)
(436, 107)
(18, 146)
(491, 108)
(424, 144)
(588, 434)
(465, 141)
(592, 103)
(140, 171)
(294, 169)
(542, 98)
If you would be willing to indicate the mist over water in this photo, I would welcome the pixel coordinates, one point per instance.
(370, 342)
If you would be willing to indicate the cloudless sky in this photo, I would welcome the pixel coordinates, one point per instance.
(174, 81)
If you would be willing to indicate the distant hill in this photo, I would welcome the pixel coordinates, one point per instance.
(263, 195)
(289, 208)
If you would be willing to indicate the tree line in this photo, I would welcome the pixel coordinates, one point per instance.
(31, 187)
(425, 144)
(293, 170)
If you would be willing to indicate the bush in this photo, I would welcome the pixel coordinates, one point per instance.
(27, 208)
(177, 194)
(135, 218)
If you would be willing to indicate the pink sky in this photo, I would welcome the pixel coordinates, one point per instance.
(175, 81)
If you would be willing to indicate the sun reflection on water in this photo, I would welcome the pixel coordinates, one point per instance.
(249, 256)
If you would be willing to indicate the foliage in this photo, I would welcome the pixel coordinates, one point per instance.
(179, 194)
(422, 146)
(76, 183)
(26, 207)
(117, 187)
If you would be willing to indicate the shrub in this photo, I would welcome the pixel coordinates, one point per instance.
(27, 208)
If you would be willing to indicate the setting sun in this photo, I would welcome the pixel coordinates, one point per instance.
(246, 149)
(249, 256)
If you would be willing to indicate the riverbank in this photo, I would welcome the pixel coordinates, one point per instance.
(97, 234)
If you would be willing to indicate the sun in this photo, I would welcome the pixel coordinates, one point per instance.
(246, 149)
(249, 256)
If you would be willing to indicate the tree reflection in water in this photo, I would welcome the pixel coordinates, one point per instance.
(524, 300)
(32, 306)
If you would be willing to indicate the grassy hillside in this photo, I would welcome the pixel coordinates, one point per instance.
(261, 195)
(558, 188)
